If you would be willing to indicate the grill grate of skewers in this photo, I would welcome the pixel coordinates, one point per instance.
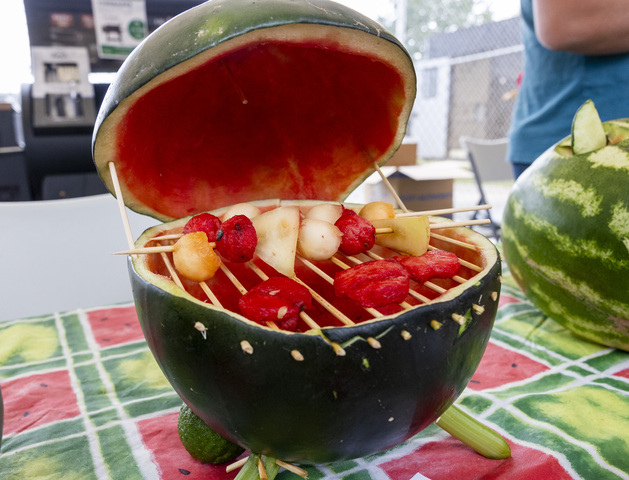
(234, 280)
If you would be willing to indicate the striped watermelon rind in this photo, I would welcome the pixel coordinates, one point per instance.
(566, 239)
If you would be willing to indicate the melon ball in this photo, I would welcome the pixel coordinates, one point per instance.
(377, 210)
(246, 209)
(329, 212)
(318, 239)
(194, 257)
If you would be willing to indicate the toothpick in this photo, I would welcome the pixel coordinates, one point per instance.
(453, 241)
(387, 184)
(210, 294)
(169, 236)
(463, 223)
(172, 271)
(293, 468)
(155, 249)
(444, 211)
(437, 226)
(236, 465)
(121, 205)
(261, 470)
(145, 250)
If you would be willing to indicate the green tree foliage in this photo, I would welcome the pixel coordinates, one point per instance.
(428, 17)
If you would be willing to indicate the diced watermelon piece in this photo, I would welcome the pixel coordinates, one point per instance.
(278, 299)
(373, 284)
(434, 263)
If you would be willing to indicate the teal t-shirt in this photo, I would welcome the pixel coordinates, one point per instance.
(554, 85)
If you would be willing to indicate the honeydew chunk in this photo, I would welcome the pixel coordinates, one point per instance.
(409, 234)
(588, 133)
(277, 232)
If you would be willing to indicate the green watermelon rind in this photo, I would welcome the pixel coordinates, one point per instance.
(566, 240)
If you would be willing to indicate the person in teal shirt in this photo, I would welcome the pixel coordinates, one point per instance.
(573, 51)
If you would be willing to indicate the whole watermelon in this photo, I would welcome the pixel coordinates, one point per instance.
(1, 416)
(566, 233)
(253, 100)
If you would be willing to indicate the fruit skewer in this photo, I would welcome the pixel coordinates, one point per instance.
(379, 231)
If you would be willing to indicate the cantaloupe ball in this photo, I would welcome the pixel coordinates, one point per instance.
(377, 210)
(318, 239)
(194, 257)
(329, 212)
(247, 209)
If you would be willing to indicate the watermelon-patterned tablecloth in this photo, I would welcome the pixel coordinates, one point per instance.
(84, 399)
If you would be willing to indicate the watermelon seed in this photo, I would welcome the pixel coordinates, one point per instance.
(478, 309)
(246, 347)
(282, 312)
(338, 349)
(296, 354)
(435, 324)
(201, 328)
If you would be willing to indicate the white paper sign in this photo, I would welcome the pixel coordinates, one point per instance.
(61, 71)
(120, 26)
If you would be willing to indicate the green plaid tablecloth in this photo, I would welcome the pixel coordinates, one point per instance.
(84, 399)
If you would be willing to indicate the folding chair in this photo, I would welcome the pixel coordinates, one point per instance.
(56, 255)
(488, 160)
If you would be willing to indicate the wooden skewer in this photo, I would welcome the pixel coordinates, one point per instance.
(169, 236)
(463, 223)
(210, 294)
(379, 231)
(155, 249)
(453, 241)
(121, 205)
(387, 184)
(444, 211)
(293, 468)
(261, 470)
(438, 226)
(171, 270)
(236, 465)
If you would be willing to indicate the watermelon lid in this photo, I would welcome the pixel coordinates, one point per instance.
(241, 100)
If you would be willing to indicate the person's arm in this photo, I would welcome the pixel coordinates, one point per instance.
(588, 27)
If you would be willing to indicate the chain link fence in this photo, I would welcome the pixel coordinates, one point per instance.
(467, 84)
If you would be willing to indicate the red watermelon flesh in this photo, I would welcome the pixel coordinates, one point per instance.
(285, 114)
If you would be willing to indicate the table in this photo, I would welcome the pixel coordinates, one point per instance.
(84, 399)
